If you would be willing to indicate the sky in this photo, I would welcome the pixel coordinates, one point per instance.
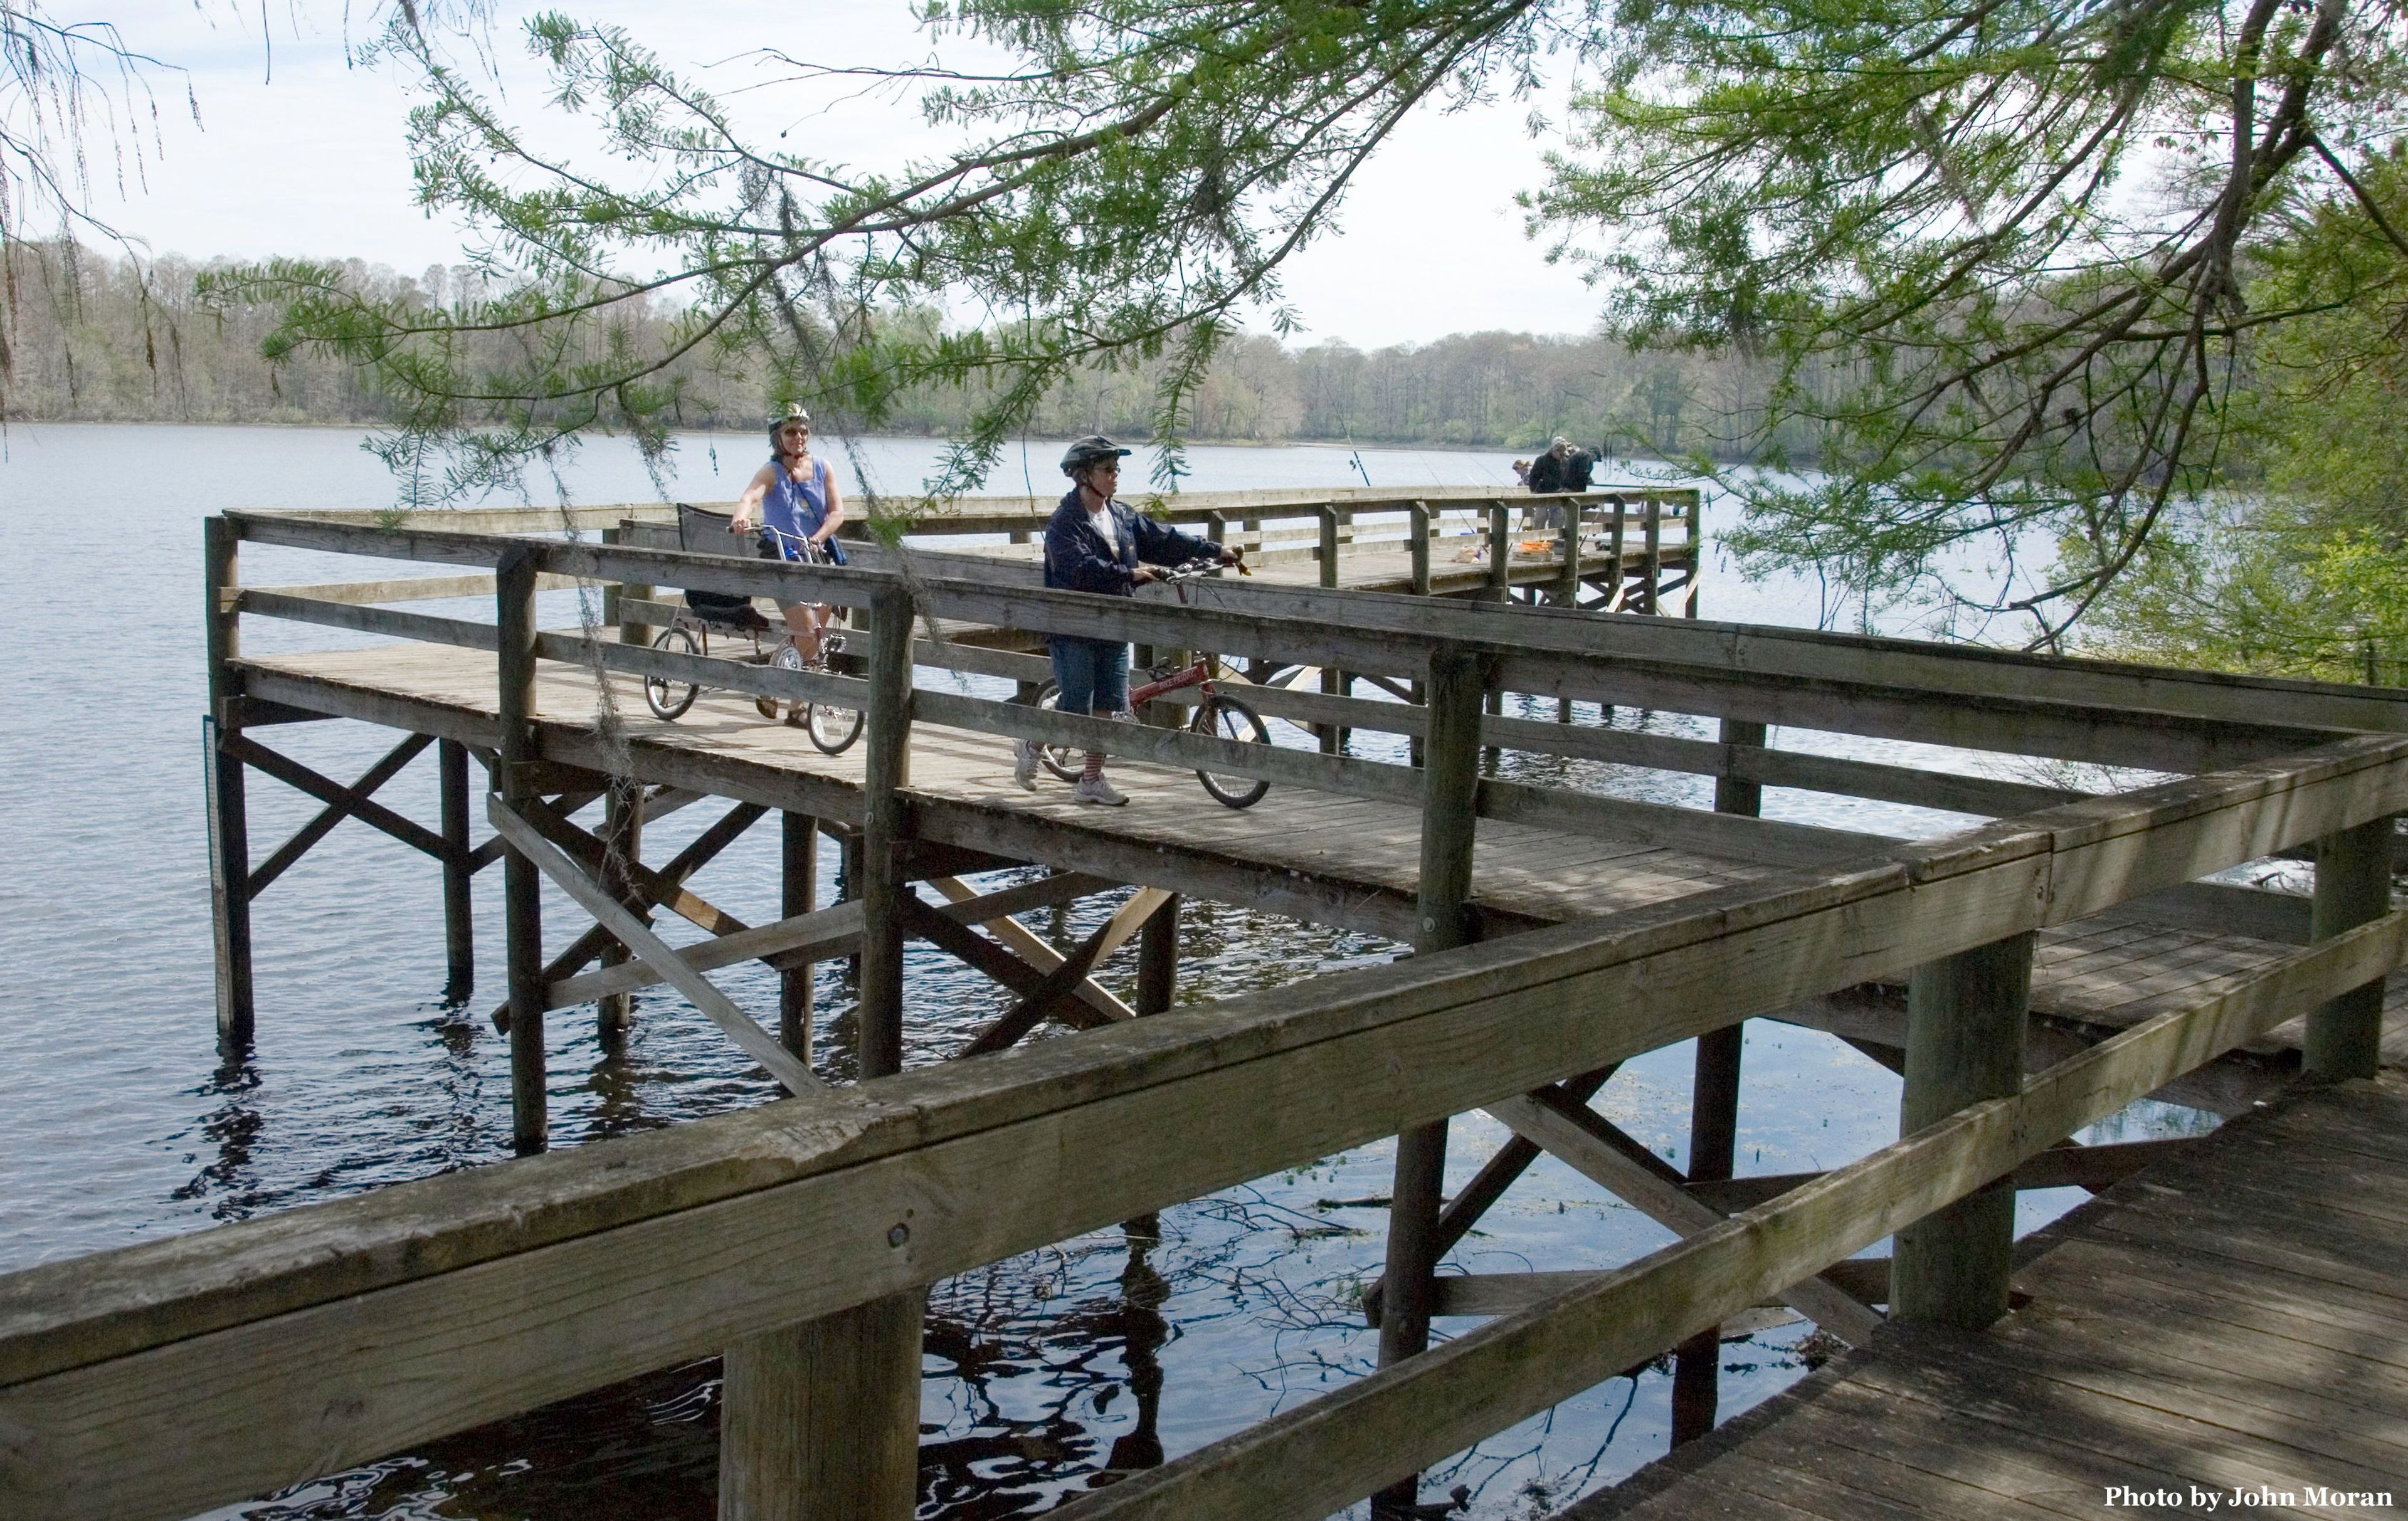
(299, 151)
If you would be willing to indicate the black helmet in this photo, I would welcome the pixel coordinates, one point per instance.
(791, 414)
(1090, 449)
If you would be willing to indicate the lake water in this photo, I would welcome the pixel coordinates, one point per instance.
(119, 1123)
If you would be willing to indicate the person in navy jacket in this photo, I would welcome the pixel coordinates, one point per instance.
(1095, 543)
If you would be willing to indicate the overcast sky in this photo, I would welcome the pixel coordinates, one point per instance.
(299, 152)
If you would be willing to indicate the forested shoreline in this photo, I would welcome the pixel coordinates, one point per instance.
(107, 340)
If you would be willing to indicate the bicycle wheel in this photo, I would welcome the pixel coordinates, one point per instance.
(1062, 760)
(832, 728)
(785, 657)
(665, 697)
(1220, 716)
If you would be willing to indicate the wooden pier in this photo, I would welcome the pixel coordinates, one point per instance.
(2230, 1322)
(2028, 978)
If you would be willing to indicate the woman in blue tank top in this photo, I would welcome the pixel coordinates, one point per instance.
(795, 498)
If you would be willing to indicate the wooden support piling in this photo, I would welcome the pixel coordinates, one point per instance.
(1714, 1135)
(1734, 793)
(886, 771)
(2345, 1036)
(1451, 783)
(1157, 959)
(514, 582)
(799, 853)
(229, 822)
(849, 885)
(622, 843)
(820, 1421)
(459, 917)
(1965, 1020)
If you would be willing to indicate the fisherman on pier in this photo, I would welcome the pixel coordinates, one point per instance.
(1095, 543)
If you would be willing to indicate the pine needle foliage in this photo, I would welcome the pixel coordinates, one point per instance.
(2002, 251)
(1118, 195)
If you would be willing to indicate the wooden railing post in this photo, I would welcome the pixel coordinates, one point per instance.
(1419, 514)
(886, 771)
(229, 819)
(1568, 576)
(2344, 1035)
(615, 598)
(799, 850)
(459, 918)
(1157, 959)
(820, 1421)
(1965, 1016)
(1443, 920)
(1695, 511)
(1651, 562)
(1501, 552)
(514, 582)
(1714, 1133)
(1613, 552)
(1329, 553)
(623, 845)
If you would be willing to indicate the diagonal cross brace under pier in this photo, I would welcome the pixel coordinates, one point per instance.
(699, 854)
(337, 810)
(639, 937)
(1592, 1146)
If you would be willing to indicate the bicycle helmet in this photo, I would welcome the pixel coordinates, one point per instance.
(1092, 449)
(793, 414)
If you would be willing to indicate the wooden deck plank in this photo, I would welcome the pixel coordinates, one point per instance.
(2231, 1318)
(1529, 873)
(1353, 862)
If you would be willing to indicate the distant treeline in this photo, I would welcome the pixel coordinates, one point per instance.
(98, 339)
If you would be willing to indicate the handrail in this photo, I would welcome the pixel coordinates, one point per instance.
(159, 1379)
(979, 514)
(1314, 1459)
(2092, 710)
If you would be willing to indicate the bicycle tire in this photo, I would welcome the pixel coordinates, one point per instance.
(1220, 716)
(669, 699)
(832, 728)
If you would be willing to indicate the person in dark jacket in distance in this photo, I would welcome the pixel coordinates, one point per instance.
(1095, 543)
(1579, 464)
(1547, 470)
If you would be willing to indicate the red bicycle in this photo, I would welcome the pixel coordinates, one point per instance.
(1218, 714)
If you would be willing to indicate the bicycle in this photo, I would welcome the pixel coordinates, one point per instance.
(832, 728)
(1218, 714)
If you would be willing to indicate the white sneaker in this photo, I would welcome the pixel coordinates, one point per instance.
(1024, 764)
(1094, 789)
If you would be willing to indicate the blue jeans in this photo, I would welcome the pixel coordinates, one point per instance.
(1092, 674)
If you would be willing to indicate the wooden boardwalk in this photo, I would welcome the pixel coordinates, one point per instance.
(1346, 862)
(2232, 1320)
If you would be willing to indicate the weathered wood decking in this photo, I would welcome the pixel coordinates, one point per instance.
(1347, 862)
(2234, 1319)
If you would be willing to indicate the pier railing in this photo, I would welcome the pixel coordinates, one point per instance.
(165, 1378)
